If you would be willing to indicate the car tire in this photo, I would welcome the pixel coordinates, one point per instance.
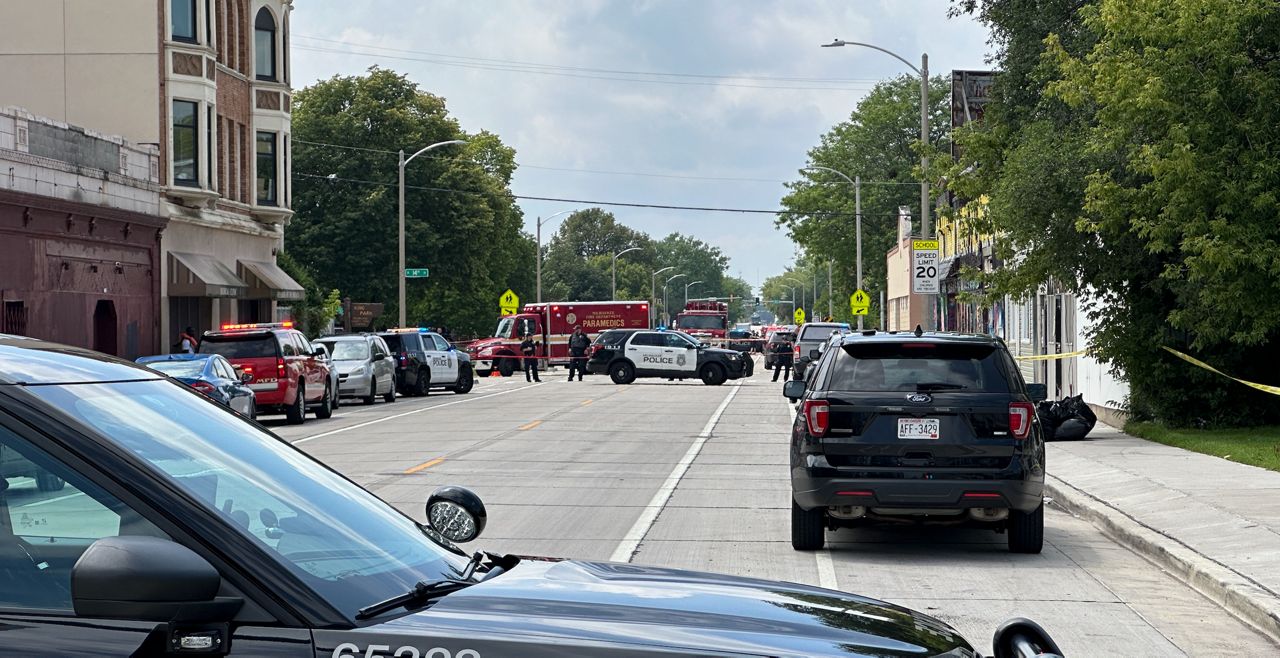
(297, 412)
(391, 394)
(622, 373)
(373, 391)
(325, 409)
(748, 367)
(421, 385)
(465, 381)
(506, 367)
(337, 397)
(712, 374)
(808, 528)
(46, 481)
(1026, 530)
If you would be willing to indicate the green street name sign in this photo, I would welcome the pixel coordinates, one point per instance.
(416, 273)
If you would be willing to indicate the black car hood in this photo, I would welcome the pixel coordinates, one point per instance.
(637, 607)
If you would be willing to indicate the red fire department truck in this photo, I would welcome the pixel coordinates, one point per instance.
(703, 318)
(551, 324)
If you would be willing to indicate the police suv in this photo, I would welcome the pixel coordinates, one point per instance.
(425, 360)
(630, 353)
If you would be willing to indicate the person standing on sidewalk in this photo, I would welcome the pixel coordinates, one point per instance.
(578, 344)
(529, 348)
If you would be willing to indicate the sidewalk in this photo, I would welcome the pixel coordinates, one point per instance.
(1212, 522)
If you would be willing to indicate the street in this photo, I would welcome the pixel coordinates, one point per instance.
(684, 475)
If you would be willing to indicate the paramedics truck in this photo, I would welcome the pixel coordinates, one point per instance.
(551, 323)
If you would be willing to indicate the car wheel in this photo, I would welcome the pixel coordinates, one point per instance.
(391, 394)
(712, 374)
(622, 373)
(49, 482)
(325, 410)
(421, 384)
(337, 397)
(253, 411)
(297, 411)
(465, 381)
(1026, 530)
(749, 367)
(373, 391)
(808, 528)
(506, 367)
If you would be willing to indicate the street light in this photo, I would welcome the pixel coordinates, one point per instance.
(538, 276)
(664, 297)
(793, 291)
(686, 291)
(926, 228)
(404, 162)
(653, 293)
(613, 294)
(857, 221)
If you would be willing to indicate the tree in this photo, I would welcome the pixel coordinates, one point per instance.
(880, 143)
(461, 220)
(579, 258)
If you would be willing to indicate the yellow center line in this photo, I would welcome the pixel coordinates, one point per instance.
(530, 426)
(586, 402)
(424, 466)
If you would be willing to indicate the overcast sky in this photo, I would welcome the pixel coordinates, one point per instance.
(556, 79)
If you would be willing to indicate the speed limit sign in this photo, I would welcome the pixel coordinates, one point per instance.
(924, 266)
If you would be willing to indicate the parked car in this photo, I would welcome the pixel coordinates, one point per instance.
(425, 360)
(812, 336)
(917, 427)
(287, 376)
(365, 366)
(741, 340)
(626, 354)
(212, 375)
(327, 358)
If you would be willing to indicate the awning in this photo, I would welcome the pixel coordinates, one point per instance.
(266, 279)
(197, 275)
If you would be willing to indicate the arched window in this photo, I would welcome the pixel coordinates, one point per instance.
(264, 45)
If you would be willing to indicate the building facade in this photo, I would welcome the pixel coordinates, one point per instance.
(81, 225)
(207, 82)
(903, 309)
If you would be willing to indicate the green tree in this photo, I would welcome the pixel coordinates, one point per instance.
(578, 259)
(461, 220)
(880, 143)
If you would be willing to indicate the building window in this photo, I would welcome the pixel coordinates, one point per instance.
(264, 45)
(266, 169)
(186, 143)
(182, 18)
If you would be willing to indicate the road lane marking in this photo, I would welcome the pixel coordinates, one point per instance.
(586, 402)
(529, 426)
(631, 541)
(410, 413)
(423, 466)
(826, 570)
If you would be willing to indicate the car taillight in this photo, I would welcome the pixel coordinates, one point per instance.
(817, 413)
(1020, 414)
(280, 365)
(203, 387)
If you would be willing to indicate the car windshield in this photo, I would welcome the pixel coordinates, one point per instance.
(504, 328)
(349, 350)
(350, 547)
(241, 347)
(811, 332)
(919, 366)
(611, 338)
(701, 321)
(184, 368)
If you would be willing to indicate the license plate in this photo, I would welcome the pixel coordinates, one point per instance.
(918, 428)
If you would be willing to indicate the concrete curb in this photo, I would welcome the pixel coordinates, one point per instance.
(1235, 592)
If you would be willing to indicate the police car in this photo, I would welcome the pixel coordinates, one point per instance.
(425, 361)
(630, 353)
(182, 528)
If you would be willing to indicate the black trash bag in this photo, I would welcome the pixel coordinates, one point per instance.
(1072, 429)
(1075, 419)
(1047, 411)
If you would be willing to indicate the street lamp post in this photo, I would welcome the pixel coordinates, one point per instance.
(404, 162)
(926, 226)
(613, 294)
(665, 309)
(538, 268)
(802, 283)
(686, 291)
(653, 294)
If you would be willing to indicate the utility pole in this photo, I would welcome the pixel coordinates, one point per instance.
(857, 220)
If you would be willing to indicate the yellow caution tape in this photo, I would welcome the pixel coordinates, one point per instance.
(1274, 390)
(1050, 357)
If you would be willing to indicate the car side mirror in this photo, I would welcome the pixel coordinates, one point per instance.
(1038, 392)
(319, 351)
(793, 390)
(456, 513)
(814, 355)
(379, 357)
(150, 579)
(246, 378)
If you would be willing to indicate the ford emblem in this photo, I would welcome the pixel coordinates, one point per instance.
(920, 398)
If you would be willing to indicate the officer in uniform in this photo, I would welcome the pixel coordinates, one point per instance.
(782, 359)
(578, 344)
(529, 349)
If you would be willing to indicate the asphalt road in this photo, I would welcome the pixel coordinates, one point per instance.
(685, 475)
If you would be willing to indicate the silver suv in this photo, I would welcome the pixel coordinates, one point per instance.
(365, 367)
(813, 336)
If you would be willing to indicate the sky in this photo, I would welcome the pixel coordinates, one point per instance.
(743, 93)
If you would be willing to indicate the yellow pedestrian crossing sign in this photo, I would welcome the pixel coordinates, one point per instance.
(860, 303)
(799, 316)
(508, 302)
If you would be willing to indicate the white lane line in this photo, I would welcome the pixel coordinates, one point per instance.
(410, 413)
(826, 570)
(631, 541)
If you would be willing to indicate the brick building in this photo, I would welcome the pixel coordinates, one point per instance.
(207, 82)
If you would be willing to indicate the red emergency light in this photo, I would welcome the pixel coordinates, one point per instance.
(258, 325)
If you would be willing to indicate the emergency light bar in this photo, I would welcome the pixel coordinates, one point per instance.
(258, 325)
(409, 330)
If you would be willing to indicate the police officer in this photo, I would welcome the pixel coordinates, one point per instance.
(578, 344)
(529, 348)
(782, 359)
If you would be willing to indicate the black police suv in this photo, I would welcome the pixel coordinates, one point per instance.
(630, 353)
(916, 426)
(425, 360)
(183, 528)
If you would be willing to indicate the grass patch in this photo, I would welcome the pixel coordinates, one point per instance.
(1258, 446)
